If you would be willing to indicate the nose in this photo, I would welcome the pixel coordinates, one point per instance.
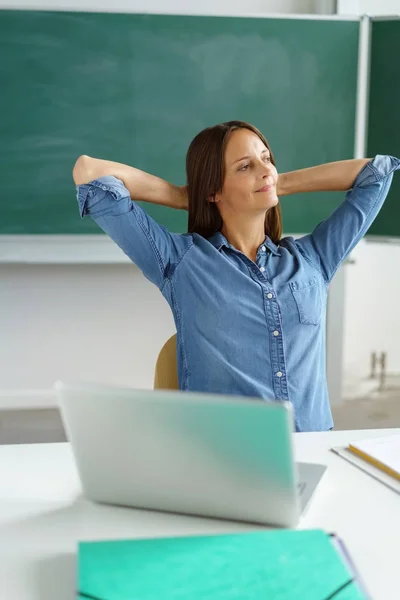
(266, 169)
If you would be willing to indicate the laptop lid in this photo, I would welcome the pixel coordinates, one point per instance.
(203, 454)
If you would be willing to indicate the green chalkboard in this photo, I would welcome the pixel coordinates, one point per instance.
(137, 88)
(384, 115)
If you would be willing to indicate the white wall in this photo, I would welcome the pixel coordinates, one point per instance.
(368, 7)
(215, 7)
(372, 310)
(91, 322)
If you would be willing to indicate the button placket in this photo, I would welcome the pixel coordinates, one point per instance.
(276, 346)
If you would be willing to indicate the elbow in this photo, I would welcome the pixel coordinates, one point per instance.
(83, 170)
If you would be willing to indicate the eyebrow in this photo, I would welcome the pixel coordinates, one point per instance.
(243, 157)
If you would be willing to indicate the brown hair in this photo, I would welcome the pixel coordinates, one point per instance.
(205, 171)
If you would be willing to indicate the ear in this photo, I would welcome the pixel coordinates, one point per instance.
(215, 198)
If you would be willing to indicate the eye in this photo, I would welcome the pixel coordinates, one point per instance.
(243, 168)
(267, 158)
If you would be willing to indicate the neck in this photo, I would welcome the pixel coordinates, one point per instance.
(245, 235)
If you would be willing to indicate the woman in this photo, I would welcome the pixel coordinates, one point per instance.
(249, 307)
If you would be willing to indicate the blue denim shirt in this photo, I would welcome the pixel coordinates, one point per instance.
(247, 328)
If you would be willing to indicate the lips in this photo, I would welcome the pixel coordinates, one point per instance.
(269, 184)
(265, 188)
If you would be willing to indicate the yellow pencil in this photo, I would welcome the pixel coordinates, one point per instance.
(375, 462)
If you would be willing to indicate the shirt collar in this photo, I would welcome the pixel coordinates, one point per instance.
(218, 241)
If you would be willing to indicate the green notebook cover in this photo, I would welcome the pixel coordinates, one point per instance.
(261, 565)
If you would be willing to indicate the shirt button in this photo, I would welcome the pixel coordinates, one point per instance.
(279, 374)
(276, 333)
(269, 296)
(262, 269)
(263, 248)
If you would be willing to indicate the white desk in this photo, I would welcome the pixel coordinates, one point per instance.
(43, 515)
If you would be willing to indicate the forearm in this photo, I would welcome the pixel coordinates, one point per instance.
(141, 185)
(334, 176)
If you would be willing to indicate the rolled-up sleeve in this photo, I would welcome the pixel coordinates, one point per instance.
(149, 245)
(333, 239)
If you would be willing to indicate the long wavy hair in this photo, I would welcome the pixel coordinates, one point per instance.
(205, 172)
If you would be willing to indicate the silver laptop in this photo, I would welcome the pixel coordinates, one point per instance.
(183, 452)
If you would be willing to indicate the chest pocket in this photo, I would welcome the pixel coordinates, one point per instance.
(308, 299)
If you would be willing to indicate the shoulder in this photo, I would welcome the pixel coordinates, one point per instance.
(289, 243)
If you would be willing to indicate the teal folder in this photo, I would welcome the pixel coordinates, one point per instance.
(261, 565)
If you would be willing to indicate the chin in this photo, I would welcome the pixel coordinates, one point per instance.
(271, 202)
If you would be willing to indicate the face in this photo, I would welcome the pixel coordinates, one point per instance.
(250, 177)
